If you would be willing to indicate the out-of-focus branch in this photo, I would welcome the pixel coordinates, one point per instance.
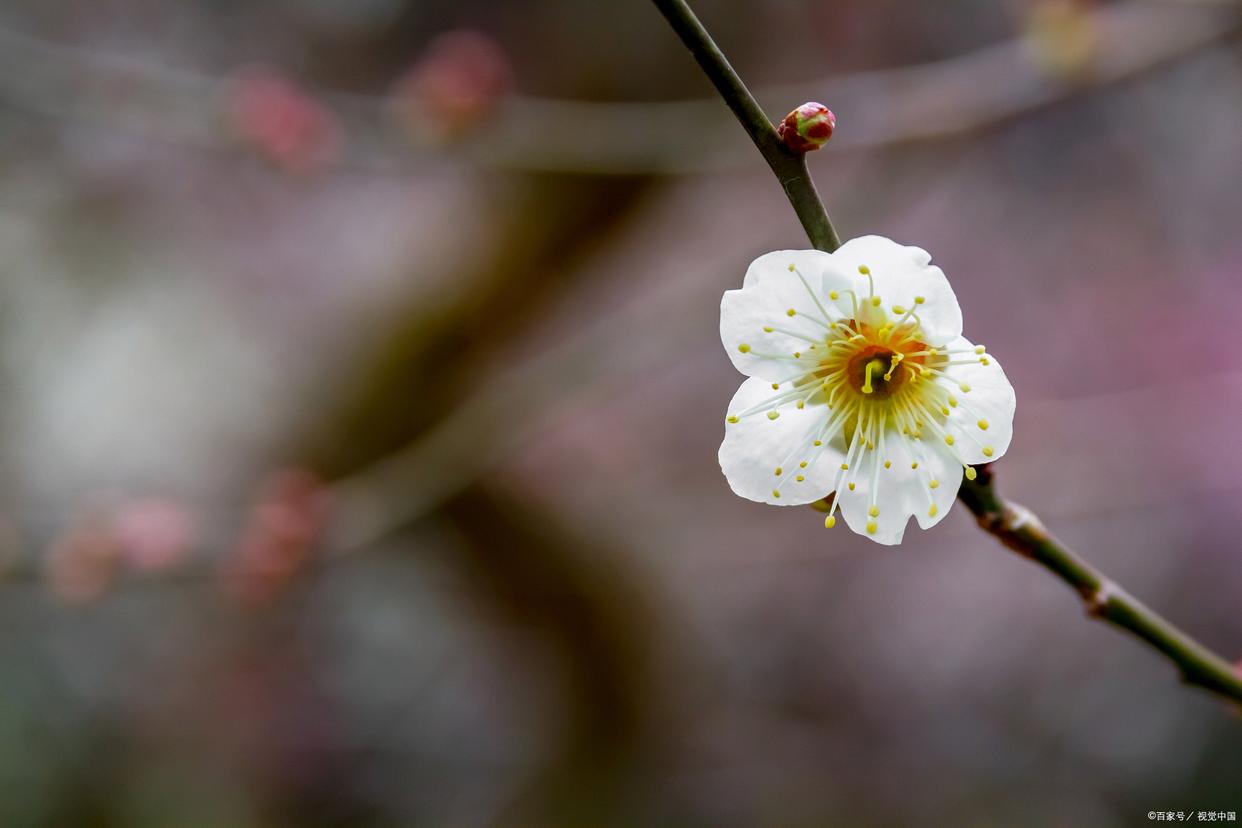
(884, 108)
(1021, 531)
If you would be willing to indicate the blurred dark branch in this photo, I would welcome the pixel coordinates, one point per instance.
(879, 108)
(1022, 531)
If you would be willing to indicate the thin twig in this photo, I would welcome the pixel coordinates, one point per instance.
(788, 167)
(1012, 525)
(1020, 530)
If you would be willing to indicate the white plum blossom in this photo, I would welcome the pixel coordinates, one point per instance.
(861, 386)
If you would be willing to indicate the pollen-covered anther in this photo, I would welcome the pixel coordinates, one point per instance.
(874, 511)
(799, 478)
(983, 425)
(830, 522)
(932, 510)
(791, 312)
(948, 440)
(772, 415)
(971, 474)
(987, 451)
(744, 348)
(802, 465)
(732, 418)
(778, 471)
(776, 493)
(934, 484)
(872, 526)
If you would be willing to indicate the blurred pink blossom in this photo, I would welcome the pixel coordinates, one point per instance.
(461, 78)
(283, 122)
(286, 520)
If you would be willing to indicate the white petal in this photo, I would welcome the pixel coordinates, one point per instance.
(901, 490)
(755, 446)
(990, 400)
(770, 290)
(901, 275)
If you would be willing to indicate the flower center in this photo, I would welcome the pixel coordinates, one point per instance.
(876, 370)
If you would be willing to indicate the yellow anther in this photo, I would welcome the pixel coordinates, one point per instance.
(948, 439)
(935, 484)
(987, 451)
(983, 424)
(875, 301)
(830, 522)
(817, 443)
(899, 309)
(965, 388)
(944, 409)
(797, 355)
(931, 512)
(979, 349)
(896, 360)
(874, 511)
(971, 474)
(799, 478)
(845, 467)
(870, 446)
(775, 385)
(791, 267)
(984, 361)
(791, 312)
(851, 487)
(832, 294)
(778, 471)
(914, 465)
(776, 493)
(772, 415)
(732, 418)
(767, 329)
(744, 348)
(871, 527)
(802, 465)
(952, 401)
(918, 300)
(800, 405)
(888, 464)
(864, 270)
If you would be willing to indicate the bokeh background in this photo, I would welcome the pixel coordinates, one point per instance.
(361, 391)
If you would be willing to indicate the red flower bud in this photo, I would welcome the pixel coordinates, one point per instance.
(808, 127)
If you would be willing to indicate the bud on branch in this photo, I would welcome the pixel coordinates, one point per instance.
(807, 128)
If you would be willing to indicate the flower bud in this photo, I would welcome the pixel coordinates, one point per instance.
(808, 127)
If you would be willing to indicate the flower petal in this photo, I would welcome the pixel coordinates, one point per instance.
(902, 275)
(901, 488)
(982, 422)
(755, 446)
(756, 328)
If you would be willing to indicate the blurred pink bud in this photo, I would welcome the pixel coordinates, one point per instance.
(286, 521)
(153, 534)
(287, 125)
(461, 78)
(83, 562)
(808, 127)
